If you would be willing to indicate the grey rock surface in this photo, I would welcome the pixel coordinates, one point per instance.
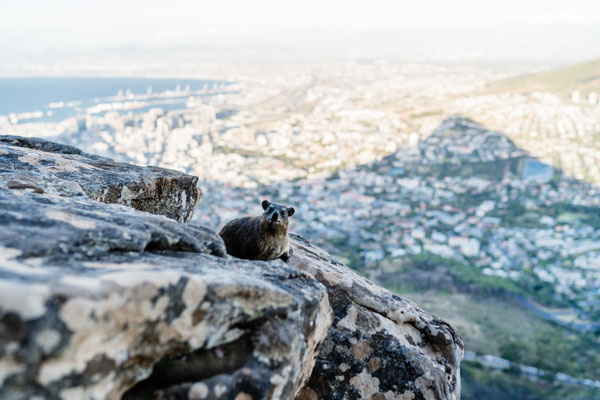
(54, 168)
(380, 346)
(104, 301)
(98, 301)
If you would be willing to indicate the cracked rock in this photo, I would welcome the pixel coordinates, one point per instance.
(103, 301)
(45, 166)
(380, 345)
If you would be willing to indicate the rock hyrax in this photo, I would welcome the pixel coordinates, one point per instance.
(260, 238)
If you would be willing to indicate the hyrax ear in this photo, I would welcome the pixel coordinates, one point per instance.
(291, 211)
(265, 204)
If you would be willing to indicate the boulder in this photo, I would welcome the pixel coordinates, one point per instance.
(64, 170)
(104, 301)
(380, 346)
(101, 301)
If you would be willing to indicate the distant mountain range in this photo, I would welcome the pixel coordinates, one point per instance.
(501, 46)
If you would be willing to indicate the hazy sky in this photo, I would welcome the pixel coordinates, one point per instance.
(73, 24)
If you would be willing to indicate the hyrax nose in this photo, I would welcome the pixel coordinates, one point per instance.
(275, 216)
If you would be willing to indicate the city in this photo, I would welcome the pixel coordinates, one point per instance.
(395, 169)
(379, 168)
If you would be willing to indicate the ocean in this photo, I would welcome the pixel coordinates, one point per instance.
(54, 99)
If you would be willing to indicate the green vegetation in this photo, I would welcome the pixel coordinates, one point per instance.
(515, 213)
(492, 170)
(467, 200)
(568, 212)
(499, 325)
(469, 275)
(479, 382)
(584, 77)
(505, 329)
(511, 212)
(465, 276)
(419, 271)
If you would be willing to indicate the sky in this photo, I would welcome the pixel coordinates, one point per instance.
(80, 23)
(56, 33)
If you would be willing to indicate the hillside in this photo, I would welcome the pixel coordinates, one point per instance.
(583, 77)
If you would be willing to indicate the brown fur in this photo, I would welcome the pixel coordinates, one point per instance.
(260, 238)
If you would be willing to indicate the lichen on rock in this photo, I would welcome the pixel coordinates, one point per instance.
(67, 171)
(101, 300)
(93, 297)
(380, 345)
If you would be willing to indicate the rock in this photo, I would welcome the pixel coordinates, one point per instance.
(106, 301)
(95, 297)
(380, 346)
(102, 301)
(67, 171)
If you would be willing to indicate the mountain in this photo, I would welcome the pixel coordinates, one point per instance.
(483, 234)
(583, 77)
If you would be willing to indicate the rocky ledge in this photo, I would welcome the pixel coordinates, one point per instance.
(53, 168)
(104, 301)
(380, 346)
